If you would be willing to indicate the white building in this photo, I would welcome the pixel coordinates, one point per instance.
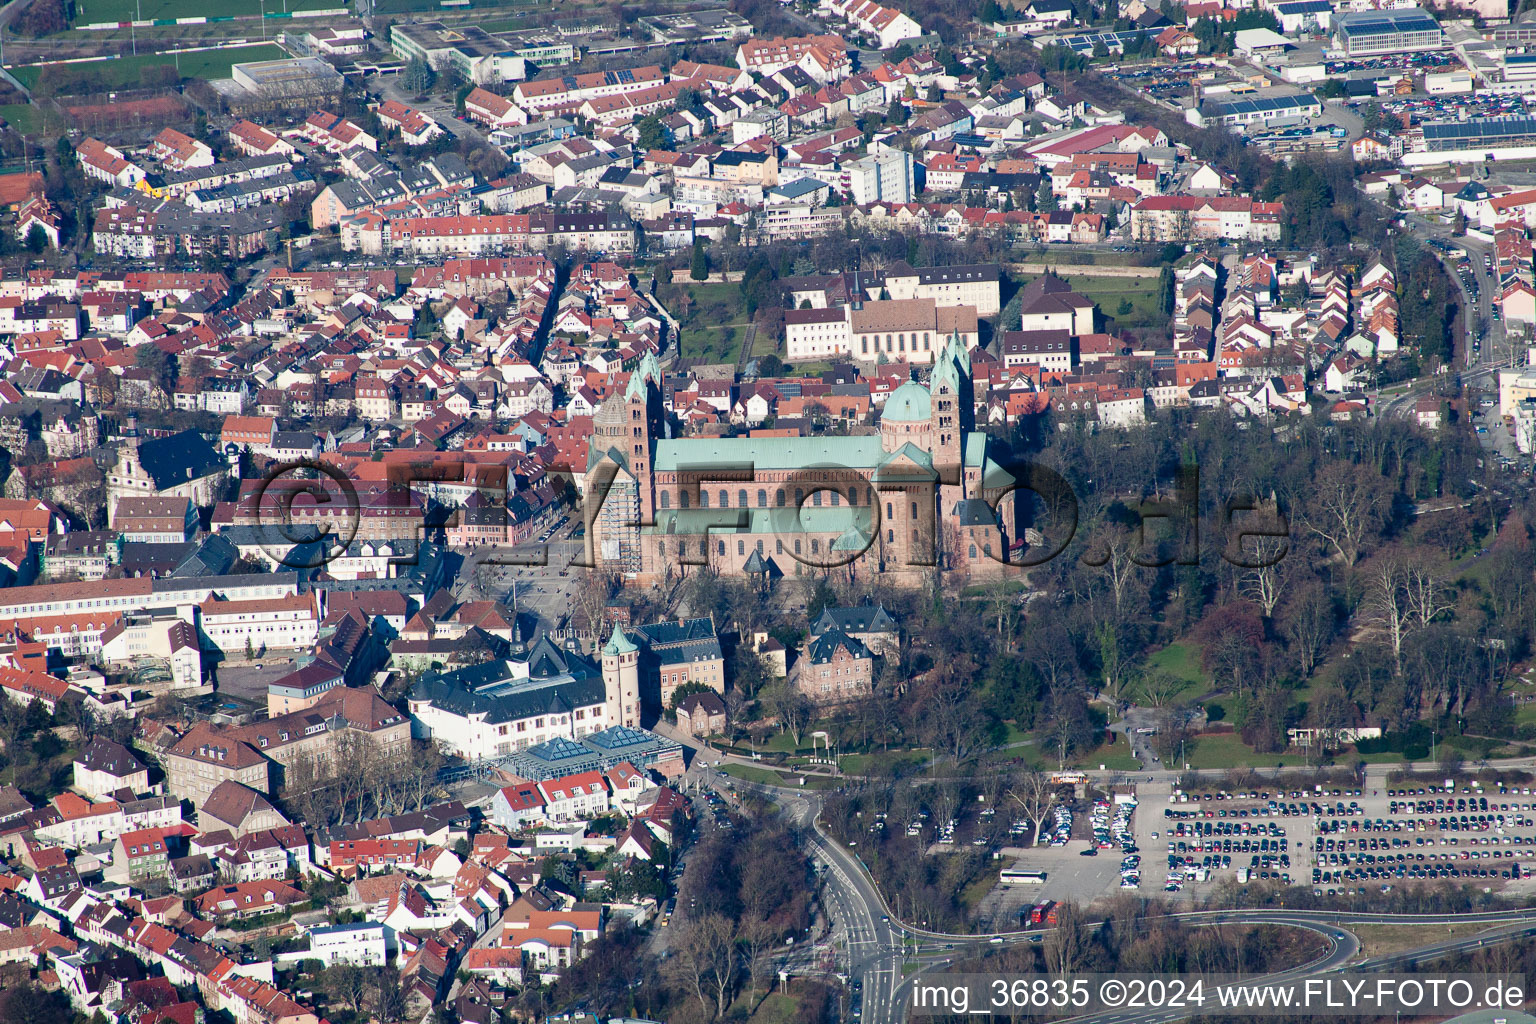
(501, 707)
(885, 177)
(287, 623)
(913, 330)
(579, 797)
(360, 944)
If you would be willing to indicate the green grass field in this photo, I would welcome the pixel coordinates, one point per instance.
(1182, 661)
(761, 776)
(1108, 292)
(30, 120)
(124, 72)
(407, 6)
(714, 320)
(1227, 750)
(91, 11)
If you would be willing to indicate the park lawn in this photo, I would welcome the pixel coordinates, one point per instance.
(1112, 760)
(1385, 757)
(1182, 661)
(989, 589)
(710, 344)
(716, 316)
(1227, 750)
(1525, 714)
(124, 72)
(776, 1008)
(1140, 292)
(90, 11)
(972, 895)
(860, 764)
(762, 776)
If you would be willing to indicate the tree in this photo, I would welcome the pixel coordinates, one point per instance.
(348, 984)
(417, 78)
(785, 702)
(698, 267)
(157, 364)
(1159, 687)
(37, 239)
(1388, 604)
(26, 1003)
(44, 17)
(1308, 627)
(1045, 199)
(1067, 946)
(652, 133)
(1264, 584)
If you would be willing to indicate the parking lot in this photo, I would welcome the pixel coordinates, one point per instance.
(1091, 855)
(249, 679)
(1340, 841)
(1068, 876)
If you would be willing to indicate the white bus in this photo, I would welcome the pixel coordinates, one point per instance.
(1018, 876)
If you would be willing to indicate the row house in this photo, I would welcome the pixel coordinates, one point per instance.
(335, 134)
(250, 139)
(824, 57)
(107, 163)
(414, 127)
(1174, 218)
(886, 26)
(566, 94)
(492, 110)
(177, 151)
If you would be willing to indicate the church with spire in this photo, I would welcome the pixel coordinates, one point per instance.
(920, 494)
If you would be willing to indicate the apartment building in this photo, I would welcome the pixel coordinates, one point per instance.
(1178, 218)
(290, 622)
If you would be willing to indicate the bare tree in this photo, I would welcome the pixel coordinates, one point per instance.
(1309, 627)
(704, 960)
(1159, 687)
(1115, 551)
(785, 702)
(1346, 504)
(758, 938)
(1264, 584)
(1428, 597)
(1067, 945)
(1033, 793)
(349, 984)
(1388, 604)
(592, 599)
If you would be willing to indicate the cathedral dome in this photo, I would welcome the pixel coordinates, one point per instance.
(909, 403)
